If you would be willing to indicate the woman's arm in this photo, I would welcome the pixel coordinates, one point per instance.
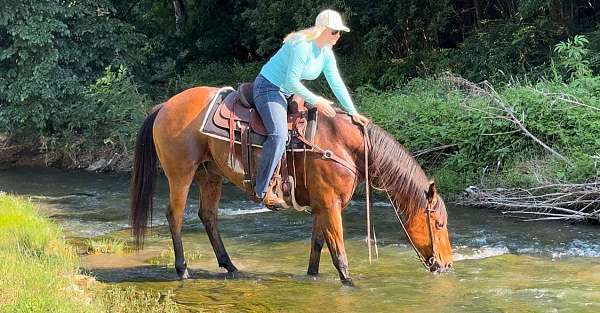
(336, 83)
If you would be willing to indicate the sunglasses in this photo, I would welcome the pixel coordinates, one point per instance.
(335, 32)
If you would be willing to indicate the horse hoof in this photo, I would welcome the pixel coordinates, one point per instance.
(233, 275)
(184, 276)
(228, 266)
(348, 282)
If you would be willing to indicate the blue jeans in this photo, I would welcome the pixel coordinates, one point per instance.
(271, 104)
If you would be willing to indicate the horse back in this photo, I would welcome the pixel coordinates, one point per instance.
(181, 110)
(177, 122)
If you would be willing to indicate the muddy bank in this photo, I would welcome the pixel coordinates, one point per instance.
(14, 154)
(36, 154)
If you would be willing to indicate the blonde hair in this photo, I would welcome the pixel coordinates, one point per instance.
(307, 34)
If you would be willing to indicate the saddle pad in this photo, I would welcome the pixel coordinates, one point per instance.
(211, 129)
(216, 126)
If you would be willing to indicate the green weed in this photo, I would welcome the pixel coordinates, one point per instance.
(39, 271)
(105, 245)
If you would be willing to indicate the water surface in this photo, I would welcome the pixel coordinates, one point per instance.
(501, 264)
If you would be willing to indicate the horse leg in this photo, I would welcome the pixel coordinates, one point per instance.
(331, 224)
(210, 194)
(178, 191)
(316, 244)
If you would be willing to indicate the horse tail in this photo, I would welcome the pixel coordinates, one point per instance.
(143, 179)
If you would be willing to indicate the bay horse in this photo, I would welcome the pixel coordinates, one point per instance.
(170, 134)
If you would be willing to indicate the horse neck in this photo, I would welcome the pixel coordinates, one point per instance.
(391, 166)
(393, 169)
(344, 138)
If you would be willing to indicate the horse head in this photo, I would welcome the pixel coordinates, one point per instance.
(427, 228)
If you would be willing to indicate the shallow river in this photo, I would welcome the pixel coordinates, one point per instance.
(501, 264)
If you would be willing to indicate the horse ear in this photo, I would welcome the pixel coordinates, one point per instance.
(431, 192)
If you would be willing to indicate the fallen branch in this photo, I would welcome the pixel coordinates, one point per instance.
(566, 98)
(429, 150)
(488, 91)
(575, 202)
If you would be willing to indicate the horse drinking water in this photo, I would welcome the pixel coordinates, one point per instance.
(171, 135)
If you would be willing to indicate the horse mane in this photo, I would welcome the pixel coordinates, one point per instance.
(394, 169)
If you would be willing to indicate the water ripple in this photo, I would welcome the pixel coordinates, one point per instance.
(479, 253)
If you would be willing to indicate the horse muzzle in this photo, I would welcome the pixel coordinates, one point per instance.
(436, 267)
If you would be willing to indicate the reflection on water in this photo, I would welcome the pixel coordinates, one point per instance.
(501, 264)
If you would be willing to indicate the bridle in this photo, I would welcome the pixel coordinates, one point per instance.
(432, 260)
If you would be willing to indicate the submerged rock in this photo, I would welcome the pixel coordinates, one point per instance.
(98, 165)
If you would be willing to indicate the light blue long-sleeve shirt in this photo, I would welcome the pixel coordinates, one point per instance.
(302, 60)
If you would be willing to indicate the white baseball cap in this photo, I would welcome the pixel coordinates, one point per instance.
(331, 19)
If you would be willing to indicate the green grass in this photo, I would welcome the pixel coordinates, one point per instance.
(131, 300)
(35, 263)
(39, 271)
(105, 245)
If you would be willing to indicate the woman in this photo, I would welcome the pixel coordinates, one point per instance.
(303, 56)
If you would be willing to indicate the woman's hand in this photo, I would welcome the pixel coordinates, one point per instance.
(359, 119)
(324, 106)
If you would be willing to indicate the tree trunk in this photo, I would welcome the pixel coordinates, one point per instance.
(477, 13)
(180, 14)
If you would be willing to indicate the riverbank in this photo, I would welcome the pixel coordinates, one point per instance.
(39, 271)
(461, 132)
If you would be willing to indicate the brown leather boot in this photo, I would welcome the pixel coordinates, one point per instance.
(274, 202)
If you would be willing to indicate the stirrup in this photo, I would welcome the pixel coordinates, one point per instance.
(274, 199)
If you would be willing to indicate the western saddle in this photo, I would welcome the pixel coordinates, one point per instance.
(237, 113)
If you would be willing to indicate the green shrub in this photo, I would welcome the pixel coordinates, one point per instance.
(429, 113)
(112, 111)
(504, 49)
(572, 58)
(50, 52)
(104, 123)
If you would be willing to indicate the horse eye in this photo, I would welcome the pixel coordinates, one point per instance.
(439, 224)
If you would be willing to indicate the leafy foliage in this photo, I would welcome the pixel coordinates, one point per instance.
(51, 51)
(426, 114)
(572, 57)
(501, 50)
(78, 76)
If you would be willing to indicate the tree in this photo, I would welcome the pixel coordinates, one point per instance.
(50, 51)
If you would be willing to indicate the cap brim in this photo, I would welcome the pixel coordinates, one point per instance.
(342, 28)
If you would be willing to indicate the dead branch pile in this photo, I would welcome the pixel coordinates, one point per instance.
(573, 202)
